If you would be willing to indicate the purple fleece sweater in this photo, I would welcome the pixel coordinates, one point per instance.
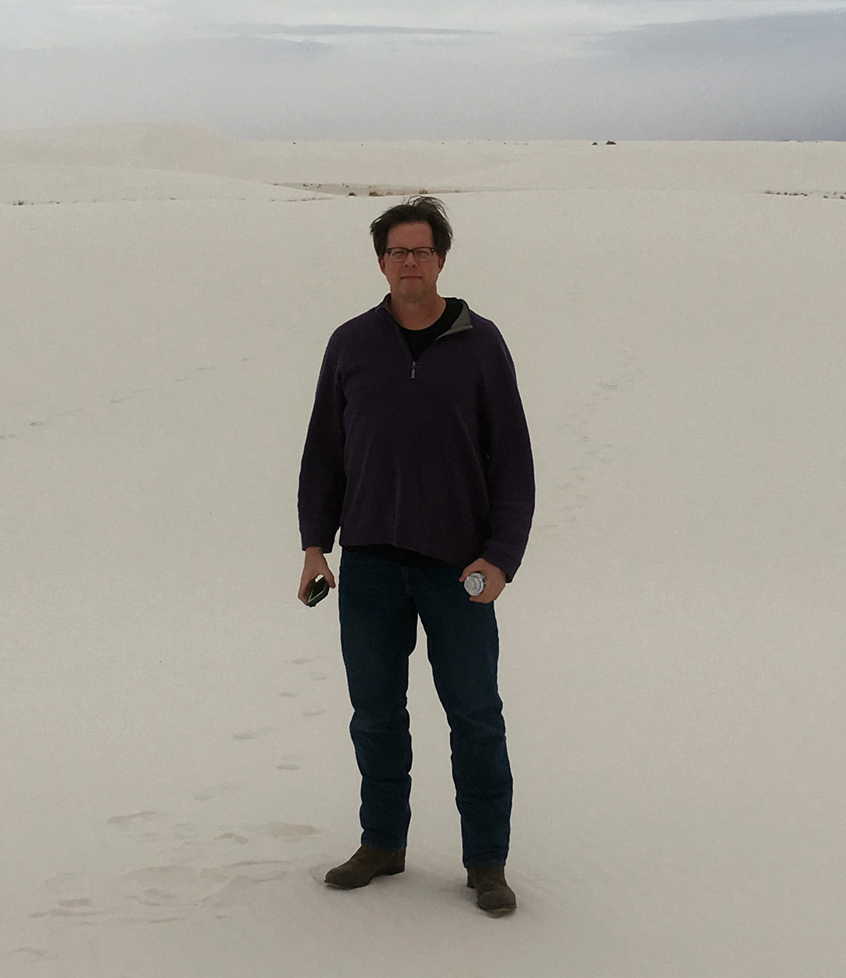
(432, 456)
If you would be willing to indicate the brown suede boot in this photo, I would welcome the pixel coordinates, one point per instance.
(493, 894)
(364, 865)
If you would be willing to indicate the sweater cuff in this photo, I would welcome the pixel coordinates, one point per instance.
(501, 560)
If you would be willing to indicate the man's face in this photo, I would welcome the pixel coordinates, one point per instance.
(411, 279)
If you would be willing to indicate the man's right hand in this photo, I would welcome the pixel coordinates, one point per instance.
(314, 566)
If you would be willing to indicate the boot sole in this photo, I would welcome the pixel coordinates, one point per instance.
(499, 912)
(358, 886)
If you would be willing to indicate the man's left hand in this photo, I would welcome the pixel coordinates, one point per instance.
(494, 580)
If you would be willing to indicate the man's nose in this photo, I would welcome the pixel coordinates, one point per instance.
(410, 257)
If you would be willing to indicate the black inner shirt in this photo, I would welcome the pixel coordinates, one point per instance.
(419, 339)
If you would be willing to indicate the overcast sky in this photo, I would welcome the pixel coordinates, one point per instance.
(537, 69)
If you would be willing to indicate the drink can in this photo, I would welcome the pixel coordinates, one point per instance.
(475, 583)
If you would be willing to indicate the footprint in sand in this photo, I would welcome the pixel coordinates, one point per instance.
(169, 892)
(176, 890)
(75, 901)
(186, 832)
(73, 905)
(168, 888)
(130, 822)
(289, 762)
(33, 954)
(252, 870)
(135, 823)
(239, 879)
(164, 880)
(255, 734)
(64, 913)
(284, 831)
(66, 883)
(216, 791)
(240, 840)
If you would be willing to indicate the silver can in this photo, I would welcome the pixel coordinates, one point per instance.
(475, 583)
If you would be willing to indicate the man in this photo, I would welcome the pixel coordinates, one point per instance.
(418, 449)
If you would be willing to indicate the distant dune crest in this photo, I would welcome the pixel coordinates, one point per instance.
(378, 168)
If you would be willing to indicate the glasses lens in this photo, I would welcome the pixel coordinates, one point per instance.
(420, 254)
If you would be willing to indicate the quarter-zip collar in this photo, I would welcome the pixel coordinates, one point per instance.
(461, 325)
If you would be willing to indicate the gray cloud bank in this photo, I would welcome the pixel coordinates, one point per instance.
(335, 30)
(774, 77)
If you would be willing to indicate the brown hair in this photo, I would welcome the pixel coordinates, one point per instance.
(414, 210)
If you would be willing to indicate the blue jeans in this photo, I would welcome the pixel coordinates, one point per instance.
(380, 602)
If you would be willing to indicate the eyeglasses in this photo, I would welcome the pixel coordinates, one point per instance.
(400, 254)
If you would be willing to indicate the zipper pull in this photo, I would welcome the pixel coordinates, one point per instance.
(414, 370)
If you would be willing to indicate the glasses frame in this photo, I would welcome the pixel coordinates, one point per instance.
(428, 253)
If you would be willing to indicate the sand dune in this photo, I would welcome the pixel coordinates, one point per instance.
(469, 165)
(176, 771)
(28, 185)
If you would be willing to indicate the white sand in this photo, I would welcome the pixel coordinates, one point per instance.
(176, 773)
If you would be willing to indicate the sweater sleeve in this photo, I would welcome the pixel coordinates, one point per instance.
(511, 481)
(322, 478)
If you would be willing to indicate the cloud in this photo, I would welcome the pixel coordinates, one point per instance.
(769, 77)
(241, 84)
(759, 78)
(52, 23)
(751, 38)
(339, 30)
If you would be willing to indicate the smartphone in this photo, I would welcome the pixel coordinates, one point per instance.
(319, 590)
